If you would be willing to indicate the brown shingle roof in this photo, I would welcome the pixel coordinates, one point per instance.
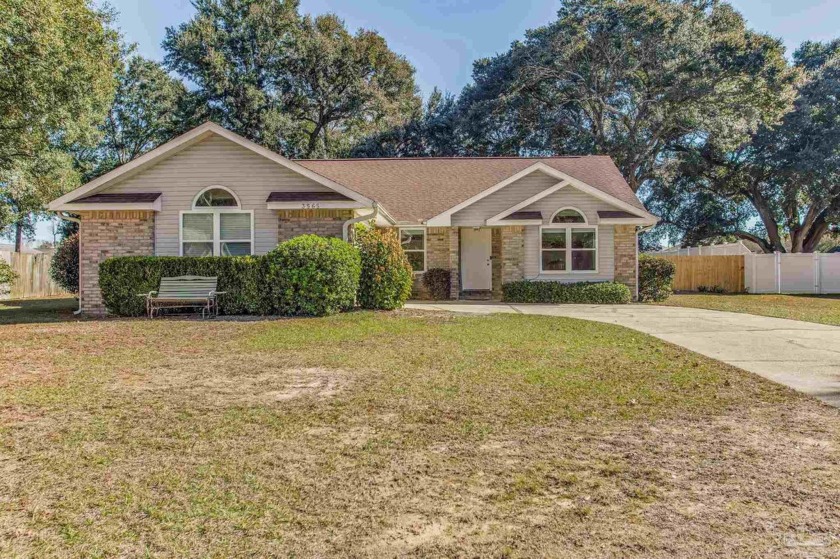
(416, 189)
(307, 197)
(523, 215)
(616, 215)
(120, 198)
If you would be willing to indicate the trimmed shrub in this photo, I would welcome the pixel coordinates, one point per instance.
(241, 277)
(64, 268)
(386, 277)
(313, 276)
(438, 282)
(656, 278)
(7, 276)
(554, 292)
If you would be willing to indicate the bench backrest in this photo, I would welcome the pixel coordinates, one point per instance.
(186, 287)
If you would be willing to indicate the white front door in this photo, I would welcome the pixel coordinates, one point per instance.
(476, 269)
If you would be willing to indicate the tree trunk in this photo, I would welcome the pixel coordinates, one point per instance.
(19, 236)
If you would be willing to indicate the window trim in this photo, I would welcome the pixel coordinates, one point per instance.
(569, 228)
(217, 232)
(425, 241)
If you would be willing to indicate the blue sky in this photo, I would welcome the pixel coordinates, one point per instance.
(442, 38)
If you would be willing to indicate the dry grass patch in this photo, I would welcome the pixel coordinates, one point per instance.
(402, 434)
(824, 309)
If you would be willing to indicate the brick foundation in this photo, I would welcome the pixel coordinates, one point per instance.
(326, 223)
(105, 234)
(625, 256)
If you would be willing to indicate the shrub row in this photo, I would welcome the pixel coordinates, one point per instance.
(308, 275)
(656, 278)
(438, 281)
(553, 292)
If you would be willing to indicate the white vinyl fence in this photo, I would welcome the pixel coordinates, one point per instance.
(792, 273)
(728, 249)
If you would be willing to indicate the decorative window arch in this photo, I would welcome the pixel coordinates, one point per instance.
(216, 196)
(568, 215)
(216, 225)
(568, 244)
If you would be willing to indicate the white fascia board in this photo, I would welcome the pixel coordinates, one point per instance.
(515, 222)
(187, 139)
(334, 205)
(82, 207)
(618, 221)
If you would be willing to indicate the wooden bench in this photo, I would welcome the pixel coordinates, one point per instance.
(184, 292)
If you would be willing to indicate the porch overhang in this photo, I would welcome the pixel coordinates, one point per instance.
(312, 201)
(150, 201)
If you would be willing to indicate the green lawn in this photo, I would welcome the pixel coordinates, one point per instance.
(823, 309)
(399, 434)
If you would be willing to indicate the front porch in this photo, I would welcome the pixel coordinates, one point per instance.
(482, 259)
(479, 260)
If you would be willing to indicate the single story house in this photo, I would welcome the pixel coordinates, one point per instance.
(489, 220)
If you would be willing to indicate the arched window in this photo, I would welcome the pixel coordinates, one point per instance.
(215, 197)
(568, 245)
(217, 225)
(568, 215)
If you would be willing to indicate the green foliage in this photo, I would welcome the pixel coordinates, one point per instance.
(241, 277)
(555, 292)
(438, 281)
(656, 278)
(7, 276)
(64, 268)
(57, 80)
(150, 108)
(386, 276)
(633, 79)
(296, 84)
(313, 276)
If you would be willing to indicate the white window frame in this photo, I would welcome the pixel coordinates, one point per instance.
(425, 240)
(217, 230)
(569, 228)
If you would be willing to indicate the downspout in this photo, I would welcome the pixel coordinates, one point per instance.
(345, 229)
(78, 221)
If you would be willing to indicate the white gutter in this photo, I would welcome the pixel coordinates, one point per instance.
(345, 229)
(79, 222)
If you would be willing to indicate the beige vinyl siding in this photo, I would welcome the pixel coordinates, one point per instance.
(589, 205)
(215, 161)
(477, 214)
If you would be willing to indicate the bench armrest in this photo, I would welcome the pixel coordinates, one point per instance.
(147, 295)
(214, 293)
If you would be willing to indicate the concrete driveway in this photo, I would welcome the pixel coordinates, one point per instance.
(801, 355)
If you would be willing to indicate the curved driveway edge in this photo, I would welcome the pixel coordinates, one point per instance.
(802, 355)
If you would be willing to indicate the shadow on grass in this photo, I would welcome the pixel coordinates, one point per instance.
(27, 311)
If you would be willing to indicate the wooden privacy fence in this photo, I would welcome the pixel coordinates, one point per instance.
(34, 272)
(694, 272)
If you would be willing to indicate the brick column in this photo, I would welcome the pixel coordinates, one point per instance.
(513, 253)
(625, 256)
(104, 234)
(454, 262)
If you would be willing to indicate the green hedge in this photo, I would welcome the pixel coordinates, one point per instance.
(241, 277)
(656, 278)
(313, 276)
(386, 278)
(554, 292)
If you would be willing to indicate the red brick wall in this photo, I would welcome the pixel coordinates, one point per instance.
(105, 234)
(326, 223)
(625, 256)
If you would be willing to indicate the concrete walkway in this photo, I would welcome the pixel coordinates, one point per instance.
(801, 355)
